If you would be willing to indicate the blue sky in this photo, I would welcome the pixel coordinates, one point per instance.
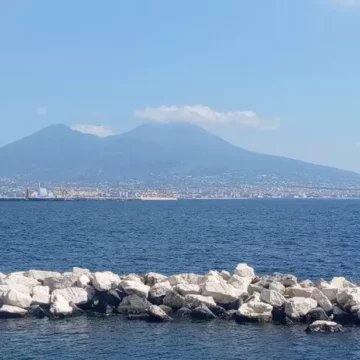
(274, 76)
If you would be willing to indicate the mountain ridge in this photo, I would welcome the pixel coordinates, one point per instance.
(59, 153)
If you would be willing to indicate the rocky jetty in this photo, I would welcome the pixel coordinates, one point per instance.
(241, 296)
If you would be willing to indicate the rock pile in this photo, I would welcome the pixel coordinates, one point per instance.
(241, 296)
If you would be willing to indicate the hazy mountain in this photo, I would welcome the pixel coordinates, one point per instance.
(59, 153)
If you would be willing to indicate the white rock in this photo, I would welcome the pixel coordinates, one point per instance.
(17, 287)
(341, 282)
(152, 278)
(83, 281)
(80, 271)
(243, 270)
(16, 298)
(134, 277)
(240, 283)
(256, 310)
(60, 306)
(298, 306)
(41, 275)
(322, 300)
(2, 276)
(8, 311)
(73, 295)
(15, 279)
(104, 281)
(185, 279)
(348, 297)
(323, 284)
(135, 287)
(222, 293)
(159, 289)
(174, 299)
(193, 301)
(40, 295)
(277, 286)
(212, 276)
(253, 288)
(330, 292)
(272, 297)
(225, 275)
(60, 282)
(307, 284)
(186, 289)
(298, 291)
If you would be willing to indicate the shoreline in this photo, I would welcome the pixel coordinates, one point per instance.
(152, 297)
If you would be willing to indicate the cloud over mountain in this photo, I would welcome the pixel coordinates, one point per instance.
(98, 130)
(204, 115)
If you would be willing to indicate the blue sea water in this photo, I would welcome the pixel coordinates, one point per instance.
(308, 238)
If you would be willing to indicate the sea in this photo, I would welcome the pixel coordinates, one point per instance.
(311, 239)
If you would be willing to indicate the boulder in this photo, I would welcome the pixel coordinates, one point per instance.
(16, 298)
(298, 291)
(342, 283)
(60, 282)
(285, 279)
(322, 284)
(341, 316)
(322, 300)
(254, 288)
(324, 327)
(60, 306)
(134, 277)
(105, 281)
(40, 295)
(348, 297)
(174, 300)
(18, 287)
(297, 307)
(75, 295)
(307, 284)
(330, 292)
(135, 287)
(222, 293)
(240, 283)
(230, 315)
(41, 275)
(243, 270)
(133, 304)
(112, 297)
(38, 312)
(272, 297)
(159, 290)
(202, 313)
(156, 314)
(277, 286)
(316, 314)
(12, 312)
(152, 278)
(185, 279)
(81, 271)
(187, 289)
(83, 281)
(254, 311)
(16, 279)
(218, 310)
(183, 312)
(2, 276)
(193, 300)
(225, 275)
(167, 309)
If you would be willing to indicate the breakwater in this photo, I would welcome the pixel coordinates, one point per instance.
(241, 296)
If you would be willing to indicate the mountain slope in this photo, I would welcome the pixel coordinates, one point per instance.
(58, 153)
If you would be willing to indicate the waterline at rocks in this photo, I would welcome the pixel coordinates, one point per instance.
(241, 296)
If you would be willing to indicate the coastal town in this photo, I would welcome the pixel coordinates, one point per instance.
(211, 188)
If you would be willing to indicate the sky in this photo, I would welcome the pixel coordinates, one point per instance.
(275, 76)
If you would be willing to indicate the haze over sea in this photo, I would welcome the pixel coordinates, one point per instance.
(308, 238)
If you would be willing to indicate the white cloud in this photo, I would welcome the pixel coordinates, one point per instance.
(98, 130)
(204, 115)
(41, 110)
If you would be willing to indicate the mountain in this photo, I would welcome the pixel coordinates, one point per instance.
(58, 153)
